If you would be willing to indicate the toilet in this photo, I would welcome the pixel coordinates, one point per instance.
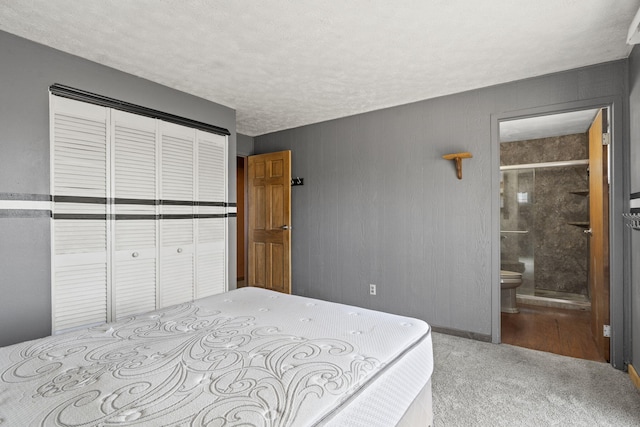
(509, 281)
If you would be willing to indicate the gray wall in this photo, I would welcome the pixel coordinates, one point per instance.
(244, 146)
(634, 124)
(27, 70)
(380, 205)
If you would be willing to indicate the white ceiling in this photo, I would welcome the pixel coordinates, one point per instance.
(547, 126)
(286, 63)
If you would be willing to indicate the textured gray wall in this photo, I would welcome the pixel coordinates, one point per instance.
(379, 204)
(244, 146)
(634, 124)
(27, 70)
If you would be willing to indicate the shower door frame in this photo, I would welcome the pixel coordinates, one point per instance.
(533, 167)
(619, 243)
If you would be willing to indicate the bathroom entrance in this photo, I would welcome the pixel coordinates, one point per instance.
(554, 232)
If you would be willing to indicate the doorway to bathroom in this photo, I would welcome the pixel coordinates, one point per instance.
(241, 208)
(552, 221)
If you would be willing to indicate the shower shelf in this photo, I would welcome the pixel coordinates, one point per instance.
(581, 224)
(580, 192)
(632, 220)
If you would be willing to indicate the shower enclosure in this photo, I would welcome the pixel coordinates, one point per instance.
(544, 215)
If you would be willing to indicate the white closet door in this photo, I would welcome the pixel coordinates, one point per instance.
(135, 263)
(211, 223)
(176, 284)
(176, 223)
(79, 184)
(212, 167)
(177, 144)
(134, 141)
(116, 251)
(211, 257)
(134, 175)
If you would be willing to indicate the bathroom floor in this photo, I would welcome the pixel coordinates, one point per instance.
(554, 330)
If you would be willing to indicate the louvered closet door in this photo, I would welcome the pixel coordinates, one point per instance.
(211, 222)
(176, 223)
(79, 134)
(134, 172)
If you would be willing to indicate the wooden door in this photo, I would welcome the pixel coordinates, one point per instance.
(269, 185)
(599, 241)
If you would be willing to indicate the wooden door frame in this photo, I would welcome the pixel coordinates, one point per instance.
(598, 277)
(619, 238)
(246, 209)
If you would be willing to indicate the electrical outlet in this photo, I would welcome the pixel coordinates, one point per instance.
(372, 289)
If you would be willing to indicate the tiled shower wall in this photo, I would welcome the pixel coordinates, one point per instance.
(559, 199)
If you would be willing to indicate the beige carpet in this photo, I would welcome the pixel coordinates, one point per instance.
(483, 384)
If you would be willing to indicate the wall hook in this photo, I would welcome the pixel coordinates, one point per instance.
(632, 220)
(458, 158)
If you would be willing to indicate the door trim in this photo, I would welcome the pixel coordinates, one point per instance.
(619, 243)
(245, 208)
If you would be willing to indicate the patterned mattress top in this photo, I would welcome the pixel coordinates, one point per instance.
(248, 357)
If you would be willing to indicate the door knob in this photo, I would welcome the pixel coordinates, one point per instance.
(588, 231)
(286, 227)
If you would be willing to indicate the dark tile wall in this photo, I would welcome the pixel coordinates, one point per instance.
(558, 199)
(553, 149)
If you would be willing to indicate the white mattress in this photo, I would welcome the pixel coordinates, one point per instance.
(247, 357)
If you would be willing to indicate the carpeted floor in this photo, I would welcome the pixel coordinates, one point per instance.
(483, 384)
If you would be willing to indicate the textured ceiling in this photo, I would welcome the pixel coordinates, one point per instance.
(286, 63)
(547, 126)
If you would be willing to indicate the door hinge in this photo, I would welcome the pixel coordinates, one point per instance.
(606, 330)
(606, 138)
